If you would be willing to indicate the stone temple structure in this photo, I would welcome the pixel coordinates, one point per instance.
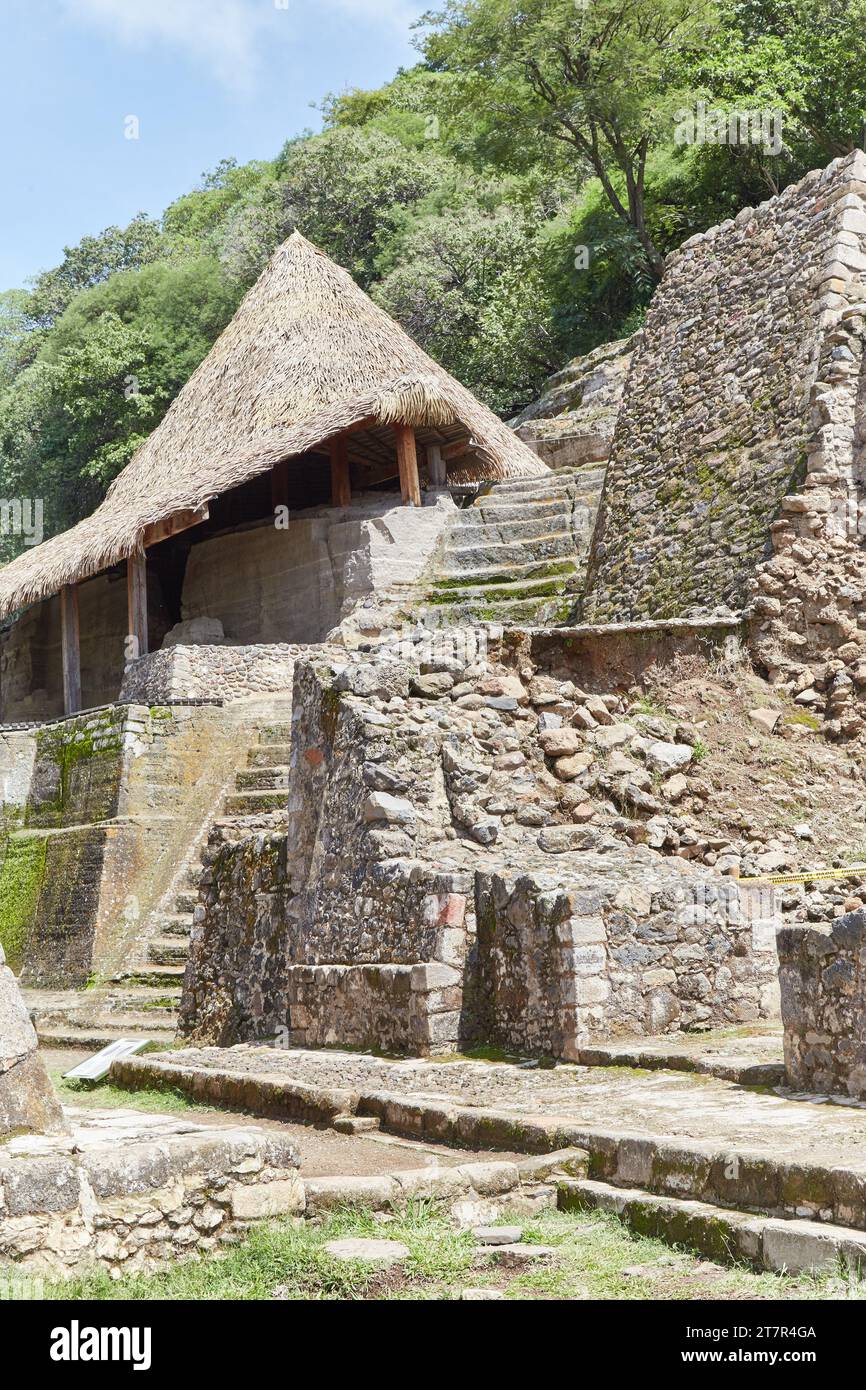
(382, 776)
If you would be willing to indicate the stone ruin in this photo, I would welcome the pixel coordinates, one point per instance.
(28, 1104)
(446, 877)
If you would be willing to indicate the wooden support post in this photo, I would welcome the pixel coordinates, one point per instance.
(437, 473)
(407, 462)
(71, 648)
(341, 485)
(136, 593)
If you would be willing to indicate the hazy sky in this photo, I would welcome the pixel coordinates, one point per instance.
(207, 79)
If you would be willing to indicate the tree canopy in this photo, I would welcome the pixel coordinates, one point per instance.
(509, 199)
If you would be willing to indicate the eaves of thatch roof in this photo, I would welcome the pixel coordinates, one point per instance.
(307, 356)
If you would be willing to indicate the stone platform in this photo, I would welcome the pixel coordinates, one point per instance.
(669, 1135)
(130, 1191)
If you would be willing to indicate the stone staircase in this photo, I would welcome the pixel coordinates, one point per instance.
(145, 996)
(518, 553)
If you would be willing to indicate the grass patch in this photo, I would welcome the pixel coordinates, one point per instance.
(595, 1257)
(102, 1095)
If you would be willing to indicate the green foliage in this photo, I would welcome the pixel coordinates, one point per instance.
(346, 189)
(460, 194)
(21, 874)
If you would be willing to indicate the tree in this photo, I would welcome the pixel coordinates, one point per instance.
(92, 261)
(599, 79)
(342, 188)
(469, 287)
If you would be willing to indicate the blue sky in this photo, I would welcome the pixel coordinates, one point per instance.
(207, 79)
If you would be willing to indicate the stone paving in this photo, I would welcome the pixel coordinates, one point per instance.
(693, 1106)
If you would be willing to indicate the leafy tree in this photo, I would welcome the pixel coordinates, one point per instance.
(92, 261)
(469, 287)
(343, 188)
(599, 80)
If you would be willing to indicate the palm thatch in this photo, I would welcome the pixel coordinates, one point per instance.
(306, 356)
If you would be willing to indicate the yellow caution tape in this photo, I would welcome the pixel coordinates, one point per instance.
(779, 880)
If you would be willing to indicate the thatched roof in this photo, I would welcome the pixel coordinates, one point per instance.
(307, 355)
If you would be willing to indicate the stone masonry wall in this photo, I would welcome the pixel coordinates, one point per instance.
(133, 1198)
(428, 894)
(114, 797)
(638, 947)
(720, 415)
(823, 980)
(208, 673)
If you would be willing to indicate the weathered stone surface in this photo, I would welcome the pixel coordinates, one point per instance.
(368, 1250)
(133, 1191)
(27, 1101)
(822, 974)
(694, 484)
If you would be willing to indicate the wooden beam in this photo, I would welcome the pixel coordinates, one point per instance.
(71, 648)
(457, 450)
(437, 473)
(171, 525)
(341, 485)
(136, 593)
(407, 462)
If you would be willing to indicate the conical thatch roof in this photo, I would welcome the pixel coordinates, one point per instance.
(307, 355)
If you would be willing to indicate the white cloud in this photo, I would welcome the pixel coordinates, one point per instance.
(225, 35)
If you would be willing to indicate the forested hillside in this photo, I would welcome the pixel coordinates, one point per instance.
(510, 200)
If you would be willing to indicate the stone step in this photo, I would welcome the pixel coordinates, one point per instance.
(470, 527)
(547, 611)
(92, 1037)
(545, 587)
(151, 975)
(559, 482)
(493, 513)
(275, 733)
(247, 803)
(514, 574)
(559, 490)
(186, 899)
(728, 1235)
(158, 1021)
(274, 778)
(460, 553)
(168, 950)
(269, 754)
(178, 924)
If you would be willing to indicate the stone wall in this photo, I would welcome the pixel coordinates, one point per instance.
(428, 894)
(208, 673)
(31, 671)
(823, 981)
(641, 946)
(336, 932)
(270, 585)
(132, 1197)
(722, 412)
(115, 797)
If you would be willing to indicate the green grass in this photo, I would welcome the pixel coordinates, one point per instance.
(104, 1096)
(592, 1254)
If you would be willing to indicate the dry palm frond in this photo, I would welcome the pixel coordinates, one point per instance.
(306, 356)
